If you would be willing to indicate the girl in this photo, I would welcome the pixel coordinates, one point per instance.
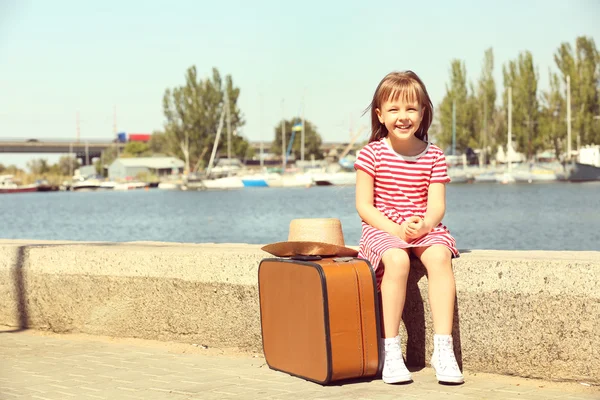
(400, 197)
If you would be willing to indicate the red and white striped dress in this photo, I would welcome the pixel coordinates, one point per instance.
(401, 185)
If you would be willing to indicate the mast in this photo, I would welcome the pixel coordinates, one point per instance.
(302, 134)
(453, 127)
(509, 144)
(115, 121)
(282, 139)
(215, 144)
(568, 118)
(228, 110)
(260, 130)
(484, 145)
(77, 122)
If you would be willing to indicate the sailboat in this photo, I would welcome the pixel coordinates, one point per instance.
(455, 173)
(226, 182)
(507, 176)
(524, 172)
(296, 179)
(342, 173)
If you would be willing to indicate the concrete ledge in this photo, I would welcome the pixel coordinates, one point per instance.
(531, 314)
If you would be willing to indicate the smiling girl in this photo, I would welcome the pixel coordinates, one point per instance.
(401, 199)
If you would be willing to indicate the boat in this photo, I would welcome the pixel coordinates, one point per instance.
(458, 175)
(587, 166)
(341, 178)
(223, 174)
(537, 173)
(44, 186)
(291, 180)
(130, 185)
(169, 186)
(200, 182)
(583, 173)
(85, 184)
(8, 184)
(259, 180)
(486, 177)
(230, 182)
(107, 185)
(508, 176)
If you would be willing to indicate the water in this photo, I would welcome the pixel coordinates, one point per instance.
(556, 216)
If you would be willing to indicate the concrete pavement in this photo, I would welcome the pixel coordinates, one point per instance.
(40, 365)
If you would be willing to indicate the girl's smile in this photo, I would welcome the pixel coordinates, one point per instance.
(401, 119)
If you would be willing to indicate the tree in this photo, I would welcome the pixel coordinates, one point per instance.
(312, 139)
(583, 68)
(106, 158)
(522, 77)
(136, 149)
(553, 114)
(486, 104)
(458, 94)
(193, 112)
(240, 147)
(10, 169)
(159, 143)
(67, 165)
(38, 166)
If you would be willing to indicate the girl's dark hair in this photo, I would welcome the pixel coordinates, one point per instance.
(407, 87)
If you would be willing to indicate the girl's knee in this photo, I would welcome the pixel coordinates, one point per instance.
(437, 257)
(396, 263)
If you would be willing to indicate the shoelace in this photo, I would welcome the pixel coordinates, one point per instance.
(392, 352)
(393, 355)
(446, 351)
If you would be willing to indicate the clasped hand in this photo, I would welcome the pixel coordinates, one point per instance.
(414, 228)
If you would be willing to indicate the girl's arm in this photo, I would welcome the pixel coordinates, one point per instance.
(368, 212)
(436, 205)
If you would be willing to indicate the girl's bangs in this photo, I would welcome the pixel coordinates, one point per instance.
(405, 91)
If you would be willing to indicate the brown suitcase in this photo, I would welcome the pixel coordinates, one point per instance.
(320, 318)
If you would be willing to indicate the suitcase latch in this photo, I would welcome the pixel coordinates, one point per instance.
(343, 259)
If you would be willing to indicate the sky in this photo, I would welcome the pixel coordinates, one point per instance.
(59, 58)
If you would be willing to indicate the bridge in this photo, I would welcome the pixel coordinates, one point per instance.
(87, 149)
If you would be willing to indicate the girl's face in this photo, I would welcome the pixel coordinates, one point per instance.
(401, 118)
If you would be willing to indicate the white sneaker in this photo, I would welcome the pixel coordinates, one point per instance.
(394, 370)
(443, 360)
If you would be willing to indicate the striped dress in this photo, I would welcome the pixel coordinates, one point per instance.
(401, 185)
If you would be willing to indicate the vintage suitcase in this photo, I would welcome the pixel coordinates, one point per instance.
(320, 317)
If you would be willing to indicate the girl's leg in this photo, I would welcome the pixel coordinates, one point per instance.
(437, 259)
(393, 289)
(393, 293)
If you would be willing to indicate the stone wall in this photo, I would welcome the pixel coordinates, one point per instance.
(526, 313)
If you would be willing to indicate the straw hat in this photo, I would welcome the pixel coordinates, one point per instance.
(313, 237)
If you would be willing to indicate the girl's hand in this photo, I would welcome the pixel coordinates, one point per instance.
(416, 228)
(401, 231)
